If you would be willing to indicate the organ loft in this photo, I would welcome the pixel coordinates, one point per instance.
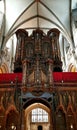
(37, 57)
(38, 96)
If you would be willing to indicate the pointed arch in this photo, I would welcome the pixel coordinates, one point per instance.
(12, 118)
(71, 124)
(60, 118)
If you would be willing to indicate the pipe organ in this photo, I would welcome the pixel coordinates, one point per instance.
(38, 60)
(37, 56)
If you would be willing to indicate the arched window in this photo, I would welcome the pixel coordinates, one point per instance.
(39, 115)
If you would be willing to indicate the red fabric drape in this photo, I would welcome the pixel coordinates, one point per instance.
(10, 77)
(65, 76)
(57, 77)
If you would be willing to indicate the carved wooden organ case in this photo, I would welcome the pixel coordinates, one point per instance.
(37, 56)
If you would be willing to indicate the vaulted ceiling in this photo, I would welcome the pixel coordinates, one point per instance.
(45, 14)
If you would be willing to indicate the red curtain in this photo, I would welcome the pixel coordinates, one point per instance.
(10, 77)
(57, 77)
(65, 76)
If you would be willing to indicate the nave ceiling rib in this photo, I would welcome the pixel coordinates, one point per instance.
(42, 17)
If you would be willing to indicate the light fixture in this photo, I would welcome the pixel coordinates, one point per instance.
(71, 126)
(13, 127)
